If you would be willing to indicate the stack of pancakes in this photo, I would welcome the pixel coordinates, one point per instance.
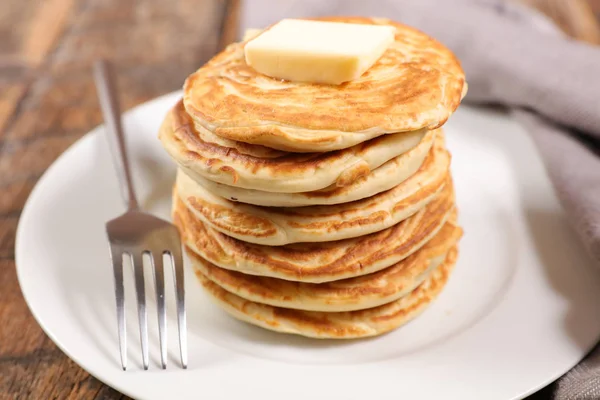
(321, 210)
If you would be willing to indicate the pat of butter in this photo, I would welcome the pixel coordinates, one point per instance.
(318, 51)
(251, 33)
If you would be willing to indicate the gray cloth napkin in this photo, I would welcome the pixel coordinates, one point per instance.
(514, 57)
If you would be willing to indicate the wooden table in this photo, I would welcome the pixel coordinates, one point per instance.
(47, 101)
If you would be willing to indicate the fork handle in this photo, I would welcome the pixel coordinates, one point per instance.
(109, 103)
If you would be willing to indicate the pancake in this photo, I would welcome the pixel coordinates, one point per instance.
(202, 154)
(278, 226)
(383, 178)
(417, 84)
(316, 262)
(351, 294)
(336, 325)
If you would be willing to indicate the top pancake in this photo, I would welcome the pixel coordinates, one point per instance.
(416, 84)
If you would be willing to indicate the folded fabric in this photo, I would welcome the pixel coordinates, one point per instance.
(512, 56)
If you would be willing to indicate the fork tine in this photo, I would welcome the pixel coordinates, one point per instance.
(159, 282)
(140, 290)
(177, 261)
(117, 261)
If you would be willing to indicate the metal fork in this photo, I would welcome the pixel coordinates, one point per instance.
(135, 234)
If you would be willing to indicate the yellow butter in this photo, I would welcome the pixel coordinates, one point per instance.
(251, 33)
(317, 51)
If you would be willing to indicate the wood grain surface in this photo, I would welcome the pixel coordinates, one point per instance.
(48, 101)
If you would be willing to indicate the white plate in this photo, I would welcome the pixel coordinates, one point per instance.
(522, 307)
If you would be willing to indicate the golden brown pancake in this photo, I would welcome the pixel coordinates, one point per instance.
(316, 262)
(202, 154)
(278, 226)
(335, 325)
(383, 178)
(351, 294)
(416, 84)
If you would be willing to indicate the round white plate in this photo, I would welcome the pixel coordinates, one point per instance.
(522, 307)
